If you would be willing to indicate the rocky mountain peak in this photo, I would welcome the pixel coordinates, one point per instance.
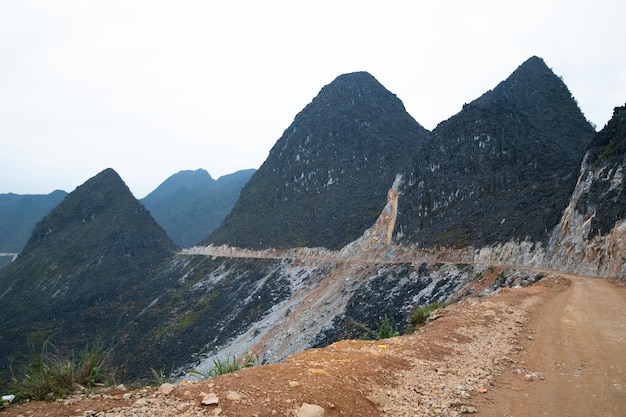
(85, 271)
(103, 203)
(326, 179)
(187, 179)
(501, 169)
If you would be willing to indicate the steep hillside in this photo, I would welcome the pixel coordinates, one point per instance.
(20, 213)
(501, 169)
(190, 204)
(605, 163)
(275, 303)
(490, 184)
(591, 237)
(85, 272)
(326, 179)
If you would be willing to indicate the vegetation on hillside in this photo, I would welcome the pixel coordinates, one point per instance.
(48, 375)
(326, 179)
(502, 169)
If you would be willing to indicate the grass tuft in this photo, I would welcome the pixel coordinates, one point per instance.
(232, 364)
(48, 376)
(420, 315)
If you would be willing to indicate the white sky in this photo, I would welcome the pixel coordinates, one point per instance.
(150, 88)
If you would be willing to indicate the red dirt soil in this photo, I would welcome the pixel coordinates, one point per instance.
(555, 348)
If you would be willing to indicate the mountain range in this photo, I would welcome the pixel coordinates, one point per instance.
(188, 205)
(191, 204)
(19, 214)
(358, 213)
(326, 179)
(501, 169)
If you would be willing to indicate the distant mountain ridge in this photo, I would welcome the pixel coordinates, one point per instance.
(191, 204)
(326, 179)
(18, 215)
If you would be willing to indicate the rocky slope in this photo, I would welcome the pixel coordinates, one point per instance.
(312, 297)
(87, 269)
(451, 367)
(326, 179)
(501, 169)
(589, 237)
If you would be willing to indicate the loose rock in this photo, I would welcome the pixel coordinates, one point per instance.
(310, 410)
(166, 388)
(210, 399)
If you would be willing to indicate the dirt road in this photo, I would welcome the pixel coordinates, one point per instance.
(556, 348)
(575, 357)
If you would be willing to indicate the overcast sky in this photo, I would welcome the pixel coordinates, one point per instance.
(150, 88)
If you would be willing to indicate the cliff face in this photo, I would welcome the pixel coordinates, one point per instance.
(326, 179)
(501, 169)
(590, 238)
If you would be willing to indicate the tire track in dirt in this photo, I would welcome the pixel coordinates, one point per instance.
(574, 360)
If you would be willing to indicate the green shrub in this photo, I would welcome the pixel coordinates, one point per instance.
(48, 376)
(531, 281)
(500, 280)
(421, 314)
(160, 377)
(232, 364)
(463, 266)
(91, 368)
(384, 330)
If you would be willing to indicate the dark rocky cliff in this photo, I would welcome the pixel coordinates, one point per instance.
(326, 179)
(606, 162)
(501, 169)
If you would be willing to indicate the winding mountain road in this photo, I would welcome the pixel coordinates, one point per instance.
(575, 357)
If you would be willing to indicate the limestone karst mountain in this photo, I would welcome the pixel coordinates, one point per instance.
(191, 204)
(491, 181)
(326, 179)
(85, 272)
(591, 236)
(501, 169)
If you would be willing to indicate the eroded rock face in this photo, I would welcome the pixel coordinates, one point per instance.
(325, 180)
(500, 170)
(590, 238)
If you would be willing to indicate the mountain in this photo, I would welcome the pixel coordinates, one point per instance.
(20, 213)
(85, 272)
(590, 237)
(501, 169)
(326, 179)
(492, 181)
(606, 160)
(191, 204)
